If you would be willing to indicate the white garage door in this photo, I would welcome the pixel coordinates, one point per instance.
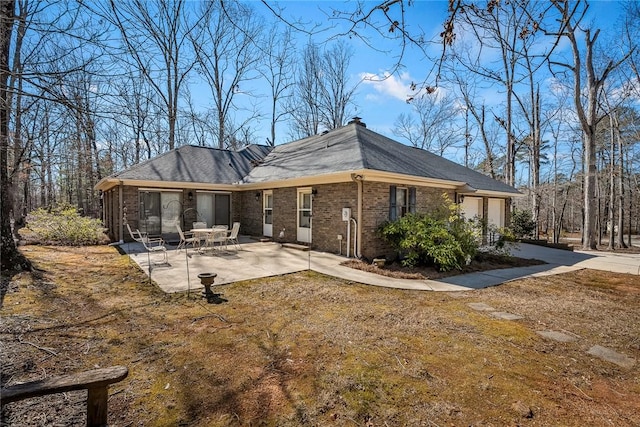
(471, 207)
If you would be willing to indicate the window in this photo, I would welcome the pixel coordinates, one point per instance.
(402, 200)
(268, 208)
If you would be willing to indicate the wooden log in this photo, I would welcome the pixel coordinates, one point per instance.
(95, 381)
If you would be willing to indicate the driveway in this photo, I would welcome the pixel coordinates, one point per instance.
(263, 259)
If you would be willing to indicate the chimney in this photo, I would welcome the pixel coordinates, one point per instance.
(357, 120)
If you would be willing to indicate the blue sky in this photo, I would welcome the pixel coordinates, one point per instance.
(379, 101)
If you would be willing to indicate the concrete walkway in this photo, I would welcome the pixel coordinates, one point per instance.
(264, 259)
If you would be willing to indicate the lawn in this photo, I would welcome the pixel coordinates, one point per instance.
(306, 349)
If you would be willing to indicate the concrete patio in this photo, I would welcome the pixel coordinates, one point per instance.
(264, 259)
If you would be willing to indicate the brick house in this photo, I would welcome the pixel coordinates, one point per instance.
(331, 191)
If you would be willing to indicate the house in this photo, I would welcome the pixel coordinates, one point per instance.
(330, 191)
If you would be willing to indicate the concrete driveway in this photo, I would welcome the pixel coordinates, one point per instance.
(263, 259)
(558, 261)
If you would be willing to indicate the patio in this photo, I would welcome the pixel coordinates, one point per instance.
(263, 259)
(256, 260)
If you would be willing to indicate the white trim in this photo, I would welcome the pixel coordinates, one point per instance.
(334, 178)
(304, 234)
(267, 229)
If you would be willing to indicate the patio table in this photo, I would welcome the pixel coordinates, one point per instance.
(211, 235)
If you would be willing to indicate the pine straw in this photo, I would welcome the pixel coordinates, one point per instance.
(482, 262)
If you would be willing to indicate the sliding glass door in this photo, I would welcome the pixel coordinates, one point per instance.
(214, 208)
(159, 211)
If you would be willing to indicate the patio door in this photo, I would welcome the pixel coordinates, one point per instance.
(159, 211)
(214, 208)
(267, 213)
(304, 215)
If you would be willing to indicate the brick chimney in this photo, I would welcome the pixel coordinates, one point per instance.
(357, 120)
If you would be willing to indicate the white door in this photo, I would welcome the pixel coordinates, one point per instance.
(304, 215)
(267, 213)
(495, 212)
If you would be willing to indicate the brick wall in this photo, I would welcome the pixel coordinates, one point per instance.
(327, 215)
(285, 213)
(376, 212)
(249, 212)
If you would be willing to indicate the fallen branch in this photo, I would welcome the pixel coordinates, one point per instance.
(47, 350)
(580, 390)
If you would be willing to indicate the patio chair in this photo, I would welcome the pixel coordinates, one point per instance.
(186, 238)
(152, 245)
(219, 236)
(155, 245)
(136, 235)
(233, 236)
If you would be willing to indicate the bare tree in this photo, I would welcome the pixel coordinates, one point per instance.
(322, 94)
(571, 15)
(278, 71)
(337, 93)
(498, 27)
(227, 57)
(155, 35)
(304, 106)
(430, 126)
(11, 258)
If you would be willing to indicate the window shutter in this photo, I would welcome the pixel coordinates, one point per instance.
(392, 203)
(412, 200)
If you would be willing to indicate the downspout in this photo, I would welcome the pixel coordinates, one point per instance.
(121, 213)
(358, 233)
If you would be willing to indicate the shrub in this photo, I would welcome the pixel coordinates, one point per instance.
(63, 225)
(522, 224)
(443, 238)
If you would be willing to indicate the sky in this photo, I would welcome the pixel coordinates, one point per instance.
(382, 91)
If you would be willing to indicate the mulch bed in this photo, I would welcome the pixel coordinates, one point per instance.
(482, 262)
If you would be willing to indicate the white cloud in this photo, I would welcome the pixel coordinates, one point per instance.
(398, 87)
(401, 87)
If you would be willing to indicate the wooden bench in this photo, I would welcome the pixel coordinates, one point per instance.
(95, 381)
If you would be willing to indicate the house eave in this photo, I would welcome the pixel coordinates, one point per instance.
(109, 183)
(346, 176)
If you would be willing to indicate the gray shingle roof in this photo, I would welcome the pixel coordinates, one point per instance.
(354, 147)
(347, 149)
(192, 163)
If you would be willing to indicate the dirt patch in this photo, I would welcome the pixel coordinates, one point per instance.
(306, 349)
(482, 262)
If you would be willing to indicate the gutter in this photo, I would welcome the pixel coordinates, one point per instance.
(358, 179)
(121, 212)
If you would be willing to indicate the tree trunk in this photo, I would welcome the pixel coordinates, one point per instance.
(619, 175)
(11, 258)
(612, 184)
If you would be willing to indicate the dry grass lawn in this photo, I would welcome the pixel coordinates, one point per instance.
(306, 349)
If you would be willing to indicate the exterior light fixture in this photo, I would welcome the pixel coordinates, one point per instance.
(258, 196)
(190, 196)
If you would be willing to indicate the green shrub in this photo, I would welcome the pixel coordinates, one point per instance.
(522, 224)
(63, 225)
(443, 238)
